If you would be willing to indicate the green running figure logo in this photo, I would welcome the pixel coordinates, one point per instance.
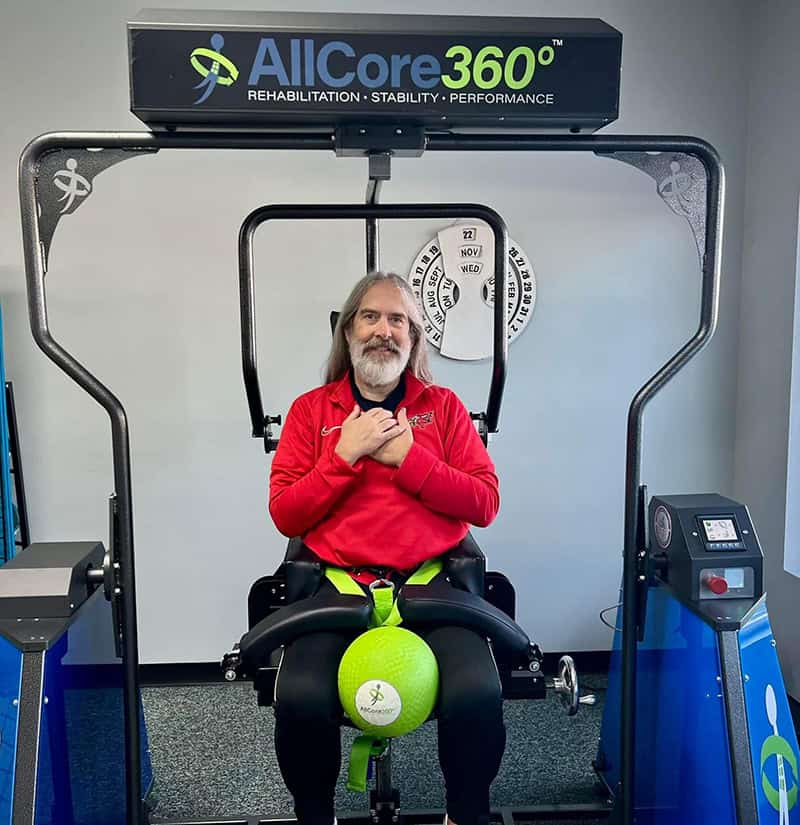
(782, 798)
(211, 74)
(376, 695)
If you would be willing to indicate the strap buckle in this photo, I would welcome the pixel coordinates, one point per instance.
(381, 583)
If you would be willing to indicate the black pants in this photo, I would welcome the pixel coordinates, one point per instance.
(308, 715)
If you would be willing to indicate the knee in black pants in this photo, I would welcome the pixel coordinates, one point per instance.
(470, 683)
(306, 694)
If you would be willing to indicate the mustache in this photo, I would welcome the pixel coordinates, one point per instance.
(378, 343)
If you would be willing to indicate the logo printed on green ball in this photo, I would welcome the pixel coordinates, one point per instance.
(388, 681)
(376, 694)
(378, 703)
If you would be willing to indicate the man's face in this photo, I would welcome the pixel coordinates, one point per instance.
(380, 336)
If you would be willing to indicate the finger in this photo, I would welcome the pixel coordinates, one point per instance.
(388, 424)
(379, 420)
(355, 412)
(402, 417)
(391, 433)
(379, 413)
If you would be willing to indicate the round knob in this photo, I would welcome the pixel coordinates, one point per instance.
(566, 685)
(717, 585)
(230, 675)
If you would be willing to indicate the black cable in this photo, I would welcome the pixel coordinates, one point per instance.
(603, 612)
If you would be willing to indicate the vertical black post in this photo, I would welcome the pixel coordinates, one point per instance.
(379, 171)
(16, 469)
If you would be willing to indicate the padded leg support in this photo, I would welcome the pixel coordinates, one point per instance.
(439, 604)
(325, 611)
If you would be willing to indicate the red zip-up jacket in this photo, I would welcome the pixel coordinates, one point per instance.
(370, 514)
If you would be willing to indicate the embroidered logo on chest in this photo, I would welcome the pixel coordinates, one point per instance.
(421, 420)
(418, 421)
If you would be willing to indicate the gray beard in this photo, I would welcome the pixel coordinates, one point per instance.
(377, 371)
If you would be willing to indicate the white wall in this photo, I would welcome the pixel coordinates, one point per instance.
(768, 300)
(143, 288)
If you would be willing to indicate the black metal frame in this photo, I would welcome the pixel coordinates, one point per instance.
(507, 815)
(406, 211)
(35, 267)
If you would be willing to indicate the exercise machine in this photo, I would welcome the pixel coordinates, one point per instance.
(373, 86)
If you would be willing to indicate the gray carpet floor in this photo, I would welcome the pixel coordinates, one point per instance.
(212, 754)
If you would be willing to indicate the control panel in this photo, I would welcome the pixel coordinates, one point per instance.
(709, 547)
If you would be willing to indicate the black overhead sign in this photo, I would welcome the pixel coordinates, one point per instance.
(271, 70)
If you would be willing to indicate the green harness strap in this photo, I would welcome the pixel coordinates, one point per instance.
(385, 613)
(385, 610)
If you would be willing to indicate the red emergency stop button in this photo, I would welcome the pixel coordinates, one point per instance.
(717, 585)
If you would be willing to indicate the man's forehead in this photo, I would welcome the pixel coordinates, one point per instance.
(379, 297)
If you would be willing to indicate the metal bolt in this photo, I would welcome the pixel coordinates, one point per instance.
(36, 620)
(746, 677)
(15, 702)
(694, 532)
(362, 131)
(46, 700)
(72, 607)
(774, 643)
(719, 678)
(398, 131)
(642, 578)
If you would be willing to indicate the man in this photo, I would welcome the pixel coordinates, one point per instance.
(379, 470)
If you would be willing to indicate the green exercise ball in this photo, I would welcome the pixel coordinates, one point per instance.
(388, 681)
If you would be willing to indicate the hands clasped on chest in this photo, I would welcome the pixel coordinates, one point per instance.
(376, 433)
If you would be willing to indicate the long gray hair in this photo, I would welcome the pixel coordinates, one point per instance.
(339, 359)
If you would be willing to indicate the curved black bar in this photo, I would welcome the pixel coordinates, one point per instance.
(709, 307)
(444, 142)
(369, 211)
(708, 319)
(439, 603)
(328, 611)
(247, 308)
(35, 268)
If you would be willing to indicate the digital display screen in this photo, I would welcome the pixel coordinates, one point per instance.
(719, 529)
